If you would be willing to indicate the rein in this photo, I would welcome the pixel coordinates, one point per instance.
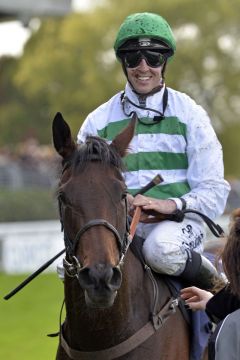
(179, 215)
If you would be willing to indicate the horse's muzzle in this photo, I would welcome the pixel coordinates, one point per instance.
(100, 284)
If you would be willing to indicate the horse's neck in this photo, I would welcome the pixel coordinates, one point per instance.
(108, 326)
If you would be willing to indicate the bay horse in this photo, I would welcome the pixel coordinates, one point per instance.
(109, 295)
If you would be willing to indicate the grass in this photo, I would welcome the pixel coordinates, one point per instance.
(29, 316)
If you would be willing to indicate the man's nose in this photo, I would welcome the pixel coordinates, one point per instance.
(143, 65)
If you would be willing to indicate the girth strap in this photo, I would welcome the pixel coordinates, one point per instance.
(128, 345)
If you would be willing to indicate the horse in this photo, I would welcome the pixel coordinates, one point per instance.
(109, 295)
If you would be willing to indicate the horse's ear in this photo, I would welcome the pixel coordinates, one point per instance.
(62, 138)
(122, 140)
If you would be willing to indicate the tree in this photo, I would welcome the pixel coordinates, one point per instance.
(69, 65)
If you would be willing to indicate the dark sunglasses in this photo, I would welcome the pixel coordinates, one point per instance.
(153, 58)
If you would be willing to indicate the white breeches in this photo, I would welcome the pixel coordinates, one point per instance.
(167, 243)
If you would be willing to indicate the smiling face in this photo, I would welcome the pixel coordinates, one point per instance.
(144, 78)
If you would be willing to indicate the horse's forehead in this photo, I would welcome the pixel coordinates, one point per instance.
(94, 175)
(95, 172)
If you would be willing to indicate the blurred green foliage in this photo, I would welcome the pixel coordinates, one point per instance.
(27, 204)
(69, 66)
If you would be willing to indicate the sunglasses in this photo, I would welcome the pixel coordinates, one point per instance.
(153, 58)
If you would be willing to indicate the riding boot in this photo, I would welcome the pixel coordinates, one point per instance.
(200, 272)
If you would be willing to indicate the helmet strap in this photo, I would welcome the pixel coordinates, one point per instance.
(163, 71)
(160, 115)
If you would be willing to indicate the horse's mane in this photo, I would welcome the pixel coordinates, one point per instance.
(96, 149)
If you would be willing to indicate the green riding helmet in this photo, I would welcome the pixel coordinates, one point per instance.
(147, 26)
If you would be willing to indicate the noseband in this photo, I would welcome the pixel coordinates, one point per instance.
(73, 266)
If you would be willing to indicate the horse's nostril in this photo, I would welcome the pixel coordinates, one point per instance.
(84, 278)
(100, 277)
(116, 278)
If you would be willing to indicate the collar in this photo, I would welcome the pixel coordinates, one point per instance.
(153, 106)
(152, 101)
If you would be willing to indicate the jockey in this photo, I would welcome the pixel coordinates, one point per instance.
(173, 137)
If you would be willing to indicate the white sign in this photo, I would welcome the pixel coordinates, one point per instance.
(27, 246)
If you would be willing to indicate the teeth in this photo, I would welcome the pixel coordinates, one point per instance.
(143, 77)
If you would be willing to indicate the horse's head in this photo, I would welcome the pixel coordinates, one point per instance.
(93, 210)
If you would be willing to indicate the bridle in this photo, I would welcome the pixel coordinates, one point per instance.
(73, 267)
(71, 262)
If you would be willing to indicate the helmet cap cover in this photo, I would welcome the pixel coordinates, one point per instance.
(145, 30)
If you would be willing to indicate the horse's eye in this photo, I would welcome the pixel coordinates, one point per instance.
(124, 195)
(62, 197)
